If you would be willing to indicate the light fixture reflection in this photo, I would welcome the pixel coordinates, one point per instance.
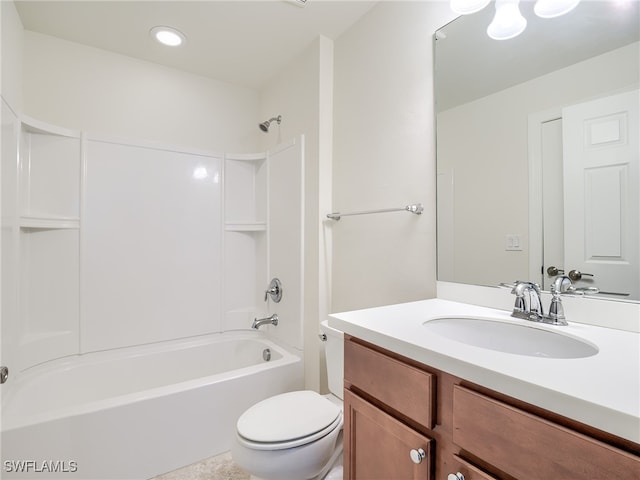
(200, 173)
(508, 21)
(466, 7)
(554, 8)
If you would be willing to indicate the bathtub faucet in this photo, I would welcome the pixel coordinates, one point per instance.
(258, 322)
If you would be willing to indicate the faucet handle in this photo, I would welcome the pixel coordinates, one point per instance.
(562, 284)
(518, 289)
(556, 311)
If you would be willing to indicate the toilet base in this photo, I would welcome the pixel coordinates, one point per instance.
(334, 460)
(336, 471)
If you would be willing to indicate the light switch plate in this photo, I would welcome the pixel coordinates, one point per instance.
(513, 242)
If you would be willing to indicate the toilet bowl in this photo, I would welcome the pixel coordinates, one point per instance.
(295, 435)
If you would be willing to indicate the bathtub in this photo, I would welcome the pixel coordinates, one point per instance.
(137, 412)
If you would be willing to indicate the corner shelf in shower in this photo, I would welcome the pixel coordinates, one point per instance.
(47, 246)
(48, 222)
(246, 227)
(245, 192)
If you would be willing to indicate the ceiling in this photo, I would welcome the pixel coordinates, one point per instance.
(246, 42)
(241, 42)
(470, 65)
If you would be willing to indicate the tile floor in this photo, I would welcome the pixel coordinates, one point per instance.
(220, 467)
(223, 468)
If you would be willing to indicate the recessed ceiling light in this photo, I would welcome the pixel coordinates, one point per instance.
(167, 36)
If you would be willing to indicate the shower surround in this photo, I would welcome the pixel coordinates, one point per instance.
(113, 245)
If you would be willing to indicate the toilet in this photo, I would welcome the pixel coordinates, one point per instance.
(296, 435)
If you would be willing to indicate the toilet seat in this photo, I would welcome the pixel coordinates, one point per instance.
(288, 420)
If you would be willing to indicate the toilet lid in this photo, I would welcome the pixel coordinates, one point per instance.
(287, 417)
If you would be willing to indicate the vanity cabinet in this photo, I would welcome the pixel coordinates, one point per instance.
(388, 407)
(396, 407)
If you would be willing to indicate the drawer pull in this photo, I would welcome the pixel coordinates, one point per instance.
(417, 455)
(455, 476)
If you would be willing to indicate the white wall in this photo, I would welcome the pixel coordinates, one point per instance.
(85, 88)
(384, 156)
(302, 94)
(494, 129)
(11, 54)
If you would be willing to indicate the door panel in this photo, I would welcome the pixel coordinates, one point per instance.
(601, 184)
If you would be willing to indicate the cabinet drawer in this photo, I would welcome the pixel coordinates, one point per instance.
(404, 388)
(531, 448)
(467, 469)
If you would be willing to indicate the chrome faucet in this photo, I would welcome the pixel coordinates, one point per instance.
(258, 322)
(528, 305)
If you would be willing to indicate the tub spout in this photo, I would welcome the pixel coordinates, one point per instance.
(258, 322)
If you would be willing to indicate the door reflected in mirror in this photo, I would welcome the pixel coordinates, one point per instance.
(537, 150)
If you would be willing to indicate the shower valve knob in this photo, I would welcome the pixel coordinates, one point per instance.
(274, 290)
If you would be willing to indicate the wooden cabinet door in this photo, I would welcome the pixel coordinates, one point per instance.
(529, 447)
(378, 447)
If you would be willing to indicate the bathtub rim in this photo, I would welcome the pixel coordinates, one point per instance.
(288, 354)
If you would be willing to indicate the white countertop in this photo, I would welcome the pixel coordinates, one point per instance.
(602, 390)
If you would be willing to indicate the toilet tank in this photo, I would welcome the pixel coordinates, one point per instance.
(334, 351)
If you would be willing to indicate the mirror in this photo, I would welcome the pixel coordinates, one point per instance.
(510, 116)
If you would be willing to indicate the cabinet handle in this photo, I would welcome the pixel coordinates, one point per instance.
(455, 476)
(417, 455)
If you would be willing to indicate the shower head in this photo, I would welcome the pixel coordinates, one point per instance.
(264, 126)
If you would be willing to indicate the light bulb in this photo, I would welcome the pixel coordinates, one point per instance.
(167, 36)
(508, 21)
(554, 8)
(466, 7)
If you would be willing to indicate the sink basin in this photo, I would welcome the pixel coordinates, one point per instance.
(510, 338)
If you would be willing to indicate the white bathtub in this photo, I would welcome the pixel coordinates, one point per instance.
(137, 412)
